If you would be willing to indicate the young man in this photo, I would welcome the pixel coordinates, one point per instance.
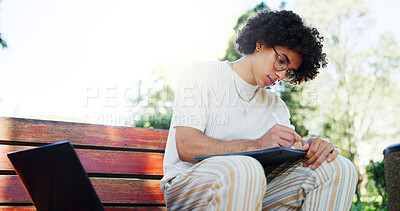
(223, 107)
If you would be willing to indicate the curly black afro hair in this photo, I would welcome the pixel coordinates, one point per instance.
(285, 28)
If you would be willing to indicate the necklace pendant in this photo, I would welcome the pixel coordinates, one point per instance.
(244, 112)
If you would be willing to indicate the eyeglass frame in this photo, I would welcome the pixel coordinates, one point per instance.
(290, 75)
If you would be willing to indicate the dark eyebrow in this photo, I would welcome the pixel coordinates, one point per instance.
(286, 57)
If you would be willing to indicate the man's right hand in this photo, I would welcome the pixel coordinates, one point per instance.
(277, 136)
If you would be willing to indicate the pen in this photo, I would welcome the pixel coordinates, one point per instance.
(275, 118)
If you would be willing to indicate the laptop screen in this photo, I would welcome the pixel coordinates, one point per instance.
(55, 178)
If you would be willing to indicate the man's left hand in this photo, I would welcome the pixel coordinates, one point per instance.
(319, 150)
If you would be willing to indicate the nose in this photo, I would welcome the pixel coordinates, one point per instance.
(281, 74)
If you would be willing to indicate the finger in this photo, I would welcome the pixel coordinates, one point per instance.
(297, 137)
(284, 128)
(297, 145)
(320, 159)
(310, 161)
(313, 157)
(333, 155)
(322, 155)
(313, 152)
(318, 162)
(314, 145)
(286, 133)
(305, 146)
(288, 137)
(277, 139)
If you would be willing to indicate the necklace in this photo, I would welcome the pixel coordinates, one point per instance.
(237, 91)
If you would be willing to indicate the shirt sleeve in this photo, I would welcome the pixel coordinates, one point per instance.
(191, 98)
(285, 115)
(287, 120)
(282, 112)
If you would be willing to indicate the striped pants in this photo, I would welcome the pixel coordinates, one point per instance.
(239, 183)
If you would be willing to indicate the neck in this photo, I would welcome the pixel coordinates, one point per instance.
(244, 68)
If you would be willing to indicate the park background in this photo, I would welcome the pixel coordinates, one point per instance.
(116, 63)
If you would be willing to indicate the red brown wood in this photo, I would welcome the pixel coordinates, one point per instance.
(115, 208)
(44, 131)
(17, 208)
(128, 191)
(12, 190)
(117, 150)
(104, 161)
(4, 161)
(123, 191)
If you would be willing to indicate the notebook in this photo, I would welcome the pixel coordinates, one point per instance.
(55, 178)
(268, 156)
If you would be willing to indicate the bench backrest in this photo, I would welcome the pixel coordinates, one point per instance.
(123, 163)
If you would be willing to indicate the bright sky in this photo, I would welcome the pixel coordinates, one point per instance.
(78, 59)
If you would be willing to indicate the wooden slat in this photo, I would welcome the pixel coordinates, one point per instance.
(107, 208)
(43, 131)
(104, 161)
(12, 190)
(128, 191)
(17, 208)
(122, 191)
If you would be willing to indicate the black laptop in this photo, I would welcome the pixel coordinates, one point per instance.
(55, 178)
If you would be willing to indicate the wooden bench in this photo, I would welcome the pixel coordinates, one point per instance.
(124, 163)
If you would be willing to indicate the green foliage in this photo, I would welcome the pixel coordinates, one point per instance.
(3, 42)
(376, 176)
(231, 53)
(157, 121)
(299, 112)
(367, 205)
(376, 198)
(154, 105)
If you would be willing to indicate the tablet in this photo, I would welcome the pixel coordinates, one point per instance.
(268, 156)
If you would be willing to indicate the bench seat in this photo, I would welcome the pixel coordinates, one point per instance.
(124, 163)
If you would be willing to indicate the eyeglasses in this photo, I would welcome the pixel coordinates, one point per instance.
(282, 64)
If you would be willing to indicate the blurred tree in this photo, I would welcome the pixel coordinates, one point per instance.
(3, 42)
(3, 45)
(376, 175)
(299, 112)
(154, 105)
(357, 96)
(231, 53)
